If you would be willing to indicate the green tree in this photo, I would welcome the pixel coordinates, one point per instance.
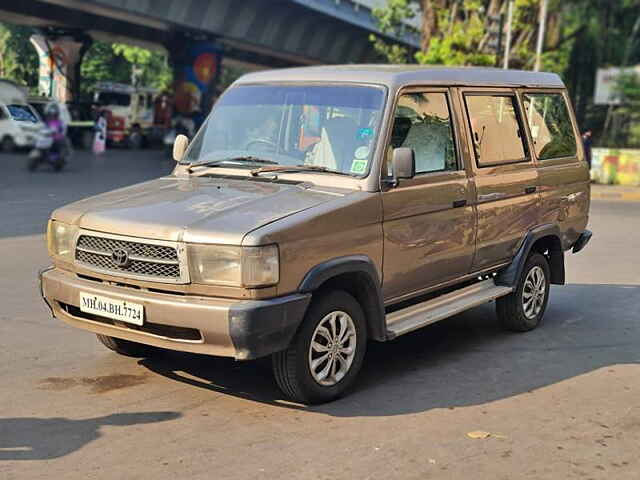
(457, 32)
(148, 68)
(124, 63)
(18, 58)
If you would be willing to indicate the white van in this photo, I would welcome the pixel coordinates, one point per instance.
(19, 122)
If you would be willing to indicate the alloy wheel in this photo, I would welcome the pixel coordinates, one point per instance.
(332, 349)
(534, 292)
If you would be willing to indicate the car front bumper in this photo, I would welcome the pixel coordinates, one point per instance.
(242, 329)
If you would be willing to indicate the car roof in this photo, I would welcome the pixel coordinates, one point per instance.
(397, 76)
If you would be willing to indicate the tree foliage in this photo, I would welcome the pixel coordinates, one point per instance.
(103, 61)
(118, 62)
(18, 58)
(581, 36)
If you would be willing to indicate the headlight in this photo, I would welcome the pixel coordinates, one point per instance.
(60, 237)
(235, 266)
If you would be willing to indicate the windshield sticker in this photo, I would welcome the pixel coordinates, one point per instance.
(365, 133)
(362, 152)
(358, 166)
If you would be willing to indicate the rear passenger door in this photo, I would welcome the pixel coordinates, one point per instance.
(562, 169)
(429, 221)
(506, 179)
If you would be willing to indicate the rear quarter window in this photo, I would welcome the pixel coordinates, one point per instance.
(550, 125)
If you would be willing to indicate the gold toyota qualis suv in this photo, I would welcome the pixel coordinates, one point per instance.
(320, 208)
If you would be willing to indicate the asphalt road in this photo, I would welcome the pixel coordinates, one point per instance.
(559, 402)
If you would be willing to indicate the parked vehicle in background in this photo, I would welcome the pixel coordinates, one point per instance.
(130, 112)
(19, 122)
(319, 208)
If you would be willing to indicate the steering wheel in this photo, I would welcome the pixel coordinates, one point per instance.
(272, 146)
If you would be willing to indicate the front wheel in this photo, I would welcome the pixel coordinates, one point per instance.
(34, 161)
(136, 140)
(523, 309)
(326, 353)
(7, 145)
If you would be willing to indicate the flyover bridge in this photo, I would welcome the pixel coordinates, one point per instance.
(253, 33)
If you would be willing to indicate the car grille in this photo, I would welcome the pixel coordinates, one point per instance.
(147, 261)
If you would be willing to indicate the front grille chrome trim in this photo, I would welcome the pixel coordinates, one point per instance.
(180, 249)
(134, 258)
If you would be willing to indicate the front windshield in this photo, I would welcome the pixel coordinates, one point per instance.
(114, 98)
(333, 127)
(22, 113)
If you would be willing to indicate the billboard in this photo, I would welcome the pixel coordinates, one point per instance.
(606, 80)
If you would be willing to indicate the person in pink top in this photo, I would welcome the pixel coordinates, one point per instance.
(57, 126)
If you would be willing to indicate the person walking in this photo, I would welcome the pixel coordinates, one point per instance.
(587, 141)
(100, 138)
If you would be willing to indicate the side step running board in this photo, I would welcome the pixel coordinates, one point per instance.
(416, 316)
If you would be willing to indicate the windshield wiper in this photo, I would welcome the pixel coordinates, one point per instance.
(247, 158)
(296, 168)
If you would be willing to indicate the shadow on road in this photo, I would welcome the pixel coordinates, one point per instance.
(30, 438)
(465, 360)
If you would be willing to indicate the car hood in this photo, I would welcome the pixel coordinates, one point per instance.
(193, 209)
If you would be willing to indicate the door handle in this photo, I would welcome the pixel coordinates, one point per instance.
(487, 197)
(459, 203)
(530, 189)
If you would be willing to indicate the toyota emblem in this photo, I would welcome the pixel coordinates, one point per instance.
(120, 257)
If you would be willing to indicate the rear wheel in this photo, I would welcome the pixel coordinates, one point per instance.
(326, 353)
(7, 145)
(86, 140)
(136, 140)
(33, 163)
(523, 309)
(127, 347)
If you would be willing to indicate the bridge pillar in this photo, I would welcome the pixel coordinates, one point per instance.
(60, 57)
(196, 68)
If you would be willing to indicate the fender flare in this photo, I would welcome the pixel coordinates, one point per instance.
(509, 276)
(372, 305)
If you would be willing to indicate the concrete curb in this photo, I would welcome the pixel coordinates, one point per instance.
(620, 196)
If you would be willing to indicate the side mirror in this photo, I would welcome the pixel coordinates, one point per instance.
(180, 145)
(404, 163)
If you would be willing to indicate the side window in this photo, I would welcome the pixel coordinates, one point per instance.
(423, 122)
(550, 125)
(496, 131)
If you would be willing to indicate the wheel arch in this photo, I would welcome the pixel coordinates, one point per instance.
(358, 276)
(544, 239)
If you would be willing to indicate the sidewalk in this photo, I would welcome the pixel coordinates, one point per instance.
(615, 192)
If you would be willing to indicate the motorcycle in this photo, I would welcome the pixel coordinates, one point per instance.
(44, 152)
(182, 126)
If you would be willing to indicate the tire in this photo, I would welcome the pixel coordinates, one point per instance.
(59, 165)
(86, 140)
(292, 367)
(523, 309)
(33, 164)
(7, 145)
(127, 347)
(135, 140)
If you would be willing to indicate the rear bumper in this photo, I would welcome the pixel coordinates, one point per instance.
(215, 326)
(582, 241)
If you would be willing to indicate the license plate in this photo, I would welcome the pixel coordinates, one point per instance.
(114, 309)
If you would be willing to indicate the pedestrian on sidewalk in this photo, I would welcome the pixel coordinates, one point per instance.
(587, 141)
(100, 138)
